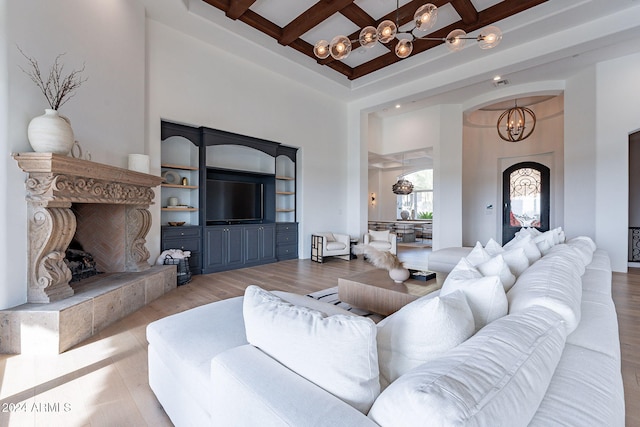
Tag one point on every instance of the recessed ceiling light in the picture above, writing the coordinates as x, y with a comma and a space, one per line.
397, 105
496, 78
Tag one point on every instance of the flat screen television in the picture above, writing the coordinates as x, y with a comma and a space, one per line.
234, 201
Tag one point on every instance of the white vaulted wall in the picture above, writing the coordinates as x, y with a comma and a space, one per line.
193, 82
107, 114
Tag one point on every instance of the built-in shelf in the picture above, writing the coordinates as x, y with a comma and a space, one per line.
179, 209
285, 192
285, 210
181, 167
285, 178
191, 187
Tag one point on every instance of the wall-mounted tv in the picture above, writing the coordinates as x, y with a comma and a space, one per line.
229, 201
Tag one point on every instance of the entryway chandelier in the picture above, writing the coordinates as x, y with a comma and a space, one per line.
403, 186
424, 18
516, 124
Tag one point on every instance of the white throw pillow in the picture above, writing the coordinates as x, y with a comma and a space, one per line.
485, 295
337, 353
478, 255
530, 248
497, 266
379, 235
493, 248
463, 270
516, 260
421, 331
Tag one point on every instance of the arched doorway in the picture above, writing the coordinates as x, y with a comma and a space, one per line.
525, 196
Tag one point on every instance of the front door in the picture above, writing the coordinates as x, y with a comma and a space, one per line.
525, 195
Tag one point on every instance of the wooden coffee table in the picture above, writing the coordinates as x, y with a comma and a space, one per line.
376, 292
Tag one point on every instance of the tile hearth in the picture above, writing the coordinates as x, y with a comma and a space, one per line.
52, 328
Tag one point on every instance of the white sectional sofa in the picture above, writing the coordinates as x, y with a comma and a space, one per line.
455, 357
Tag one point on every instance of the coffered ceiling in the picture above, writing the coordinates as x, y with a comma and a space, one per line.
300, 24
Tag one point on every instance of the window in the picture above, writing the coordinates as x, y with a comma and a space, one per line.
419, 203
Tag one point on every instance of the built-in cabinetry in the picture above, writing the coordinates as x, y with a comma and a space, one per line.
237, 245
198, 161
186, 238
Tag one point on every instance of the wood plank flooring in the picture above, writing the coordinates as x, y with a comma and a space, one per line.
103, 381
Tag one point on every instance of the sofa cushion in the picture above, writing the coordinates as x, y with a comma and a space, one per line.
335, 246
252, 389
517, 260
421, 331
583, 378
553, 282
496, 378
338, 353
188, 340
485, 295
585, 247
379, 235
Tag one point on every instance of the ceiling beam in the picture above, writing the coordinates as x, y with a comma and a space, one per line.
466, 10
238, 7
310, 18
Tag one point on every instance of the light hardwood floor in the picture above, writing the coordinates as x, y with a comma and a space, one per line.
103, 381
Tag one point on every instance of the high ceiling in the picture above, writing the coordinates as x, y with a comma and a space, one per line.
300, 24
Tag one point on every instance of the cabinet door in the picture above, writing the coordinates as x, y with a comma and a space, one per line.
252, 252
268, 244
234, 246
216, 244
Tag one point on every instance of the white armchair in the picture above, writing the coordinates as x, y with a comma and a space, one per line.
382, 240
326, 244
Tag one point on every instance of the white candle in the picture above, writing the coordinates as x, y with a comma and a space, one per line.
139, 163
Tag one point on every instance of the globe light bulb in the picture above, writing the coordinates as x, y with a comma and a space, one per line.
368, 37
404, 48
340, 47
455, 40
321, 49
489, 37
425, 17
386, 31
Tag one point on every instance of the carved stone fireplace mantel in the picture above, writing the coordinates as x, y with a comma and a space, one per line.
55, 182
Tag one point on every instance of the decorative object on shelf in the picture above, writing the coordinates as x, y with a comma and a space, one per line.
185, 180
385, 260
423, 19
77, 152
172, 201
516, 124
171, 177
139, 163
176, 223
51, 132
404, 215
403, 186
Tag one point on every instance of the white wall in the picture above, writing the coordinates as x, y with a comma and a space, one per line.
579, 154
486, 156
107, 114
618, 115
195, 83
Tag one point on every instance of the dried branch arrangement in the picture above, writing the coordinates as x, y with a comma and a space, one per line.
57, 88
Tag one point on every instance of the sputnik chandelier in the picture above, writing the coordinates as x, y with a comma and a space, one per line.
424, 18
516, 123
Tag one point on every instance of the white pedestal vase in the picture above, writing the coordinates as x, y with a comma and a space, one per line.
399, 275
50, 133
